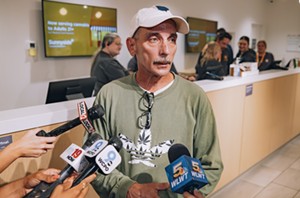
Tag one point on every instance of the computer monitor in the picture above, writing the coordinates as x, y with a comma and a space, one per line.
70, 89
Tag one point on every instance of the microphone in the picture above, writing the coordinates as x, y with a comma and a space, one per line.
105, 162
184, 172
45, 189
85, 117
212, 76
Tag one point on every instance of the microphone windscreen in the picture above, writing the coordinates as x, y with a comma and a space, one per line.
176, 151
116, 142
95, 112
91, 140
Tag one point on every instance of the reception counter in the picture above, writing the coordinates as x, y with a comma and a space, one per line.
255, 116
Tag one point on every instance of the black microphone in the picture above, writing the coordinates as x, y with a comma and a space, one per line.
105, 162
84, 118
184, 172
45, 189
212, 76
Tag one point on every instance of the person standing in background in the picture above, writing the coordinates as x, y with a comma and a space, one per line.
245, 54
105, 67
223, 39
264, 59
210, 62
153, 109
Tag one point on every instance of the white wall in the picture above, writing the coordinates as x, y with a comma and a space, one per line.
24, 79
283, 18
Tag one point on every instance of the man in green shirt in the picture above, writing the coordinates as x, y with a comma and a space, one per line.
152, 109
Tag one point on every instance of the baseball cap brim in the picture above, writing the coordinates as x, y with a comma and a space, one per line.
150, 17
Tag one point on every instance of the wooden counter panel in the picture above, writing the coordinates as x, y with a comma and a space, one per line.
257, 123
228, 108
283, 110
296, 120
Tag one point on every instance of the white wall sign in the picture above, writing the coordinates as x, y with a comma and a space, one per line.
293, 43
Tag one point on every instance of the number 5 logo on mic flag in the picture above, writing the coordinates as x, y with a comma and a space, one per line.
185, 173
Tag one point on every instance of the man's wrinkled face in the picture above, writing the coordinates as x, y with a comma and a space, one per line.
155, 48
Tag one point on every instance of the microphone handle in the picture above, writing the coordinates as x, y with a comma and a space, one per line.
85, 173
93, 113
61, 129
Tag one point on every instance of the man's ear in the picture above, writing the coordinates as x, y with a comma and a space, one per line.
130, 42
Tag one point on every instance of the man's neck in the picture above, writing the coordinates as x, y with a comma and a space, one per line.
154, 83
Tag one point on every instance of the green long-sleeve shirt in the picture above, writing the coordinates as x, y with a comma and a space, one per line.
180, 114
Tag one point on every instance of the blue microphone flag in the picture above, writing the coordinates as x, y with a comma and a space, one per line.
186, 174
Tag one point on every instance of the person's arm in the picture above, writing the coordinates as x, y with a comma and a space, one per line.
29, 145
21, 187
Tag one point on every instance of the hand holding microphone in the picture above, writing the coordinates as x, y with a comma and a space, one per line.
45, 189
66, 190
29, 145
185, 174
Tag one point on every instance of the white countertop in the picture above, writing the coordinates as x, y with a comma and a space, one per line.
229, 81
36, 116
41, 115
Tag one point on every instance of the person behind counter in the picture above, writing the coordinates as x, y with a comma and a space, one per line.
149, 121
105, 67
264, 59
210, 62
245, 54
223, 39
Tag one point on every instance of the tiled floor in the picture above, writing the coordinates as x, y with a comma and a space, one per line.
277, 176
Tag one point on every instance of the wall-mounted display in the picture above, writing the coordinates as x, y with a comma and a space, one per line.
201, 32
75, 30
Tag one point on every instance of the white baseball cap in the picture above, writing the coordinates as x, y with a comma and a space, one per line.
150, 17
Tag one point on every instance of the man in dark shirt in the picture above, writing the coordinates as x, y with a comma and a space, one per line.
105, 67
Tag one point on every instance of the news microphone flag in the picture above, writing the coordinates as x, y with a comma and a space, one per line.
105, 162
84, 118
184, 173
